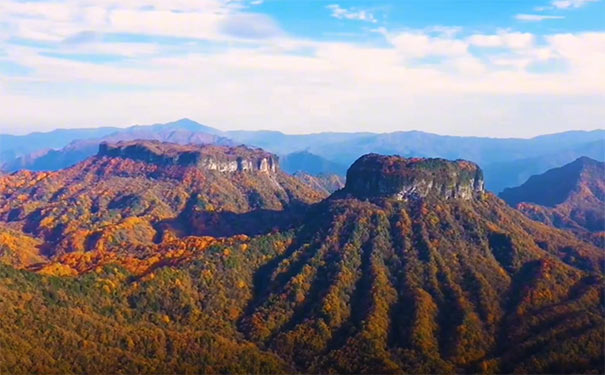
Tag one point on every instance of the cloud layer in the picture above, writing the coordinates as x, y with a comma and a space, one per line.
106, 62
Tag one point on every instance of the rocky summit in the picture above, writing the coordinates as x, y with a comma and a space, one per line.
379, 176
209, 157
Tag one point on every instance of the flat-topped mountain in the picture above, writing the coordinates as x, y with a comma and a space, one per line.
152, 188
438, 277
570, 197
375, 175
209, 157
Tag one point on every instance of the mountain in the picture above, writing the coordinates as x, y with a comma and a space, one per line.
569, 197
47, 158
515, 172
328, 183
136, 193
506, 162
13, 146
414, 268
307, 162
411, 267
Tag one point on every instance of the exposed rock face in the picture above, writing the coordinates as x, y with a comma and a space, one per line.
396, 177
209, 157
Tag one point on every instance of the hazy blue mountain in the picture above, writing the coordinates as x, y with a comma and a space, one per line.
183, 131
506, 161
569, 197
304, 161
511, 173
12, 146
344, 148
480, 150
282, 144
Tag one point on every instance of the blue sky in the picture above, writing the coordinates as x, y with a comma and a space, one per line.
489, 68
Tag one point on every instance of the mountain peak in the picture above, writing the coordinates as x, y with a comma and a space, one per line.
189, 125
584, 161
556, 185
209, 157
376, 176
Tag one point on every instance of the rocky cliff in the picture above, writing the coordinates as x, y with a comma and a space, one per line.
208, 157
374, 176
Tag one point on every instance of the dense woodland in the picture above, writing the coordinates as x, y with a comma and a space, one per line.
121, 266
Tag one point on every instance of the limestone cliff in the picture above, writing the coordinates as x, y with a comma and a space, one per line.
396, 177
209, 157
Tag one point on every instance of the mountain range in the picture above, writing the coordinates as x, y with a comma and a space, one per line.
154, 257
506, 162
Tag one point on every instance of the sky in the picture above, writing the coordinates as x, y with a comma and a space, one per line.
506, 68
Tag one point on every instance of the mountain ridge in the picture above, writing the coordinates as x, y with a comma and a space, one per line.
569, 197
506, 162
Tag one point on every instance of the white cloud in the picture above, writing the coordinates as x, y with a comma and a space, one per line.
418, 44
351, 14
536, 17
567, 4
512, 40
200, 19
237, 69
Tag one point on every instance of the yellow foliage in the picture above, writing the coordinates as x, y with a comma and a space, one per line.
58, 269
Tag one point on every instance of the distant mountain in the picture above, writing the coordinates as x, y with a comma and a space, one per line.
569, 197
506, 162
304, 161
181, 132
347, 147
514, 172
14, 146
282, 144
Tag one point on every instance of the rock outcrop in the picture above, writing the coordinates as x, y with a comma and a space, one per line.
208, 157
378, 176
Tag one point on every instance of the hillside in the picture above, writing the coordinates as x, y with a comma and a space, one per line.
136, 193
569, 197
323, 182
411, 267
